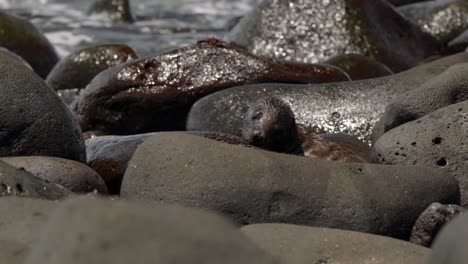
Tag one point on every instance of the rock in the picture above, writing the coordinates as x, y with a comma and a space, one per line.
256, 186
314, 31
72, 175
80, 67
23, 38
304, 245
431, 221
450, 245
12, 252
460, 42
437, 140
354, 144
359, 67
118, 11
21, 219
352, 108
15, 57
155, 94
404, 2
119, 232
35, 122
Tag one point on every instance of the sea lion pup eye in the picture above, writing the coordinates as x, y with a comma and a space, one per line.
270, 124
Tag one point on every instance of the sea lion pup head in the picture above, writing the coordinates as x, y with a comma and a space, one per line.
270, 124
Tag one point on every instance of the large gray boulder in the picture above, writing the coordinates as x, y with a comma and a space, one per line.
256, 186
437, 140
97, 231
305, 245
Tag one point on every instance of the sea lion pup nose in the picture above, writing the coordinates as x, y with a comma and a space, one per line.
270, 124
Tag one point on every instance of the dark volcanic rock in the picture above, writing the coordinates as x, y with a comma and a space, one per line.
431, 222
404, 2
437, 140
351, 108
35, 122
156, 94
450, 245
460, 42
448, 88
17, 182
79, 68
118, 232
256, 186
12, 252
313, 31
305, 245
24, 39
359, 67
72, 175
116, 10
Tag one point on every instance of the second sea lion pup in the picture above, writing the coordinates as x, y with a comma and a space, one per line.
270, 124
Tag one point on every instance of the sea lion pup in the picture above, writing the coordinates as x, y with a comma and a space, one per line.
270, 124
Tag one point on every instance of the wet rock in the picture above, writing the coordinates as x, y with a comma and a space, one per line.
431, 221
359, 67
15, 57
313, 31
23, 38
450, 245
140, 234
12, 252
117, 11
156, 94
256, 186
22, 219
18, 182
404, 2
72, 175
302, 245
446, 89
79, 68
437, 140
352, 108
35, 122
460, 42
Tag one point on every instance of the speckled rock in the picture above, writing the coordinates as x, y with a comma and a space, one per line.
117, 11
15, 57
118, 232
305, 245
35, 121
72, 175
351, 108
155, 94
21, 219
256, 186
436, 140
313, 31
448, 88
23, 38
359, 67
431, 221
450, 245
12, 252
80, 67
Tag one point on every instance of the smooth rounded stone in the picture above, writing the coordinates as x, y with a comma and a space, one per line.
437, 140
74, 176
18, 182
35, 121
12, 252
15, 57
304, 245
460, 42
450, 246
118, 11
359, 67
119, 232
257, 186
79, 68
448, 88
444, 19
23, 38
314, 31
352, 108
21, 219
431, 221
155, 94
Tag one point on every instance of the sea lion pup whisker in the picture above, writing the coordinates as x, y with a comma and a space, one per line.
270, 124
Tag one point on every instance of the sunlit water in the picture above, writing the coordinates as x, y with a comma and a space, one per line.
160, 24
